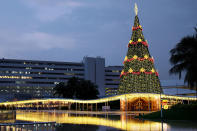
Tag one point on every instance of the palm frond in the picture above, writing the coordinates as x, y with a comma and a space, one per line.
184, 58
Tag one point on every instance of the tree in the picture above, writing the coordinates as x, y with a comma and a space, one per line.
77, 88
59, 90
139, 73
86, 90
184, 59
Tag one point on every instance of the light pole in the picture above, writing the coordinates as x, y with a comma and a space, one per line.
161, 109
161, 103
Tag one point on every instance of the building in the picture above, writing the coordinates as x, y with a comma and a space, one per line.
33, 78
112, 79
29, 78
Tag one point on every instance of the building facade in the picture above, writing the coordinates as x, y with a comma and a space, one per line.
33, 78
112, 79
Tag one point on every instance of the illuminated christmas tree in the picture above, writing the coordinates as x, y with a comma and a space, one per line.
139, 74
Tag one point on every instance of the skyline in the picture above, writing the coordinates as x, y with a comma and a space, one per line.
68, 30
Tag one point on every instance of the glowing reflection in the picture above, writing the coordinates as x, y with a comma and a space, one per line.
123, 123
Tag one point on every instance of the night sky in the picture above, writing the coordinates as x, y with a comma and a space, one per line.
68, 30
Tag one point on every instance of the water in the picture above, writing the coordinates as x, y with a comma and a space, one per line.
87, 121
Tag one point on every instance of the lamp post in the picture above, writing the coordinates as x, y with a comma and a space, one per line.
161, 103
161, 109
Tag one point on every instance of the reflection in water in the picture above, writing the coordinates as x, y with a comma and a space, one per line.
123, 122
7, 116
30, 127
68, 127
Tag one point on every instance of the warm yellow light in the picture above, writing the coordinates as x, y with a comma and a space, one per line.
101, 100
140, 26
130, 70
136, 9
126, 58
142, 70
122, 72
135, 57
165, 101
146, 56
15, 77
139, 40
165, 107
130, 41
153, 71
63, 117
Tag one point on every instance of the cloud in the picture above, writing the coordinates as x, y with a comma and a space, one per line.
47, 41
13, 43
50, 10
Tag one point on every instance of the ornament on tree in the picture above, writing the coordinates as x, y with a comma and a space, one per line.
146, 56
156, 73
130, 70
135, 57
138, 73
126, 58
139, 40
153, 71
136, 28
122, 72
142, 70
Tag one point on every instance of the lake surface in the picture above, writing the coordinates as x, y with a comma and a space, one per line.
87, 121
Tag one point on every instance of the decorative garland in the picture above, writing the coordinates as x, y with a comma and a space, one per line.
137, 42
136, 28
140, 59
142, 70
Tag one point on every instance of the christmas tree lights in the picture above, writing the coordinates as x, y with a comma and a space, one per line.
139, 74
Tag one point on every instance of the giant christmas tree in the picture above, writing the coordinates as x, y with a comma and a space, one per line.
139, 74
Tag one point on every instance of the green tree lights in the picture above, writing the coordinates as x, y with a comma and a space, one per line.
139, 74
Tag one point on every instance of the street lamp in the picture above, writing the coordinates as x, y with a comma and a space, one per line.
161, 109
161, 102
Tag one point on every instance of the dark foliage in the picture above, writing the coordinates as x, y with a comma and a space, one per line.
192, 106
76, 88
177, 112
184, 59
86, 90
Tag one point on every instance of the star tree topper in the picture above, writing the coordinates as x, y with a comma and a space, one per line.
136, 9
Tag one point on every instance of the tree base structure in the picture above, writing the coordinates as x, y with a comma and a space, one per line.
126, 102
140, 104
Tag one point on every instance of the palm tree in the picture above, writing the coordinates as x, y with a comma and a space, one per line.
184, 59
